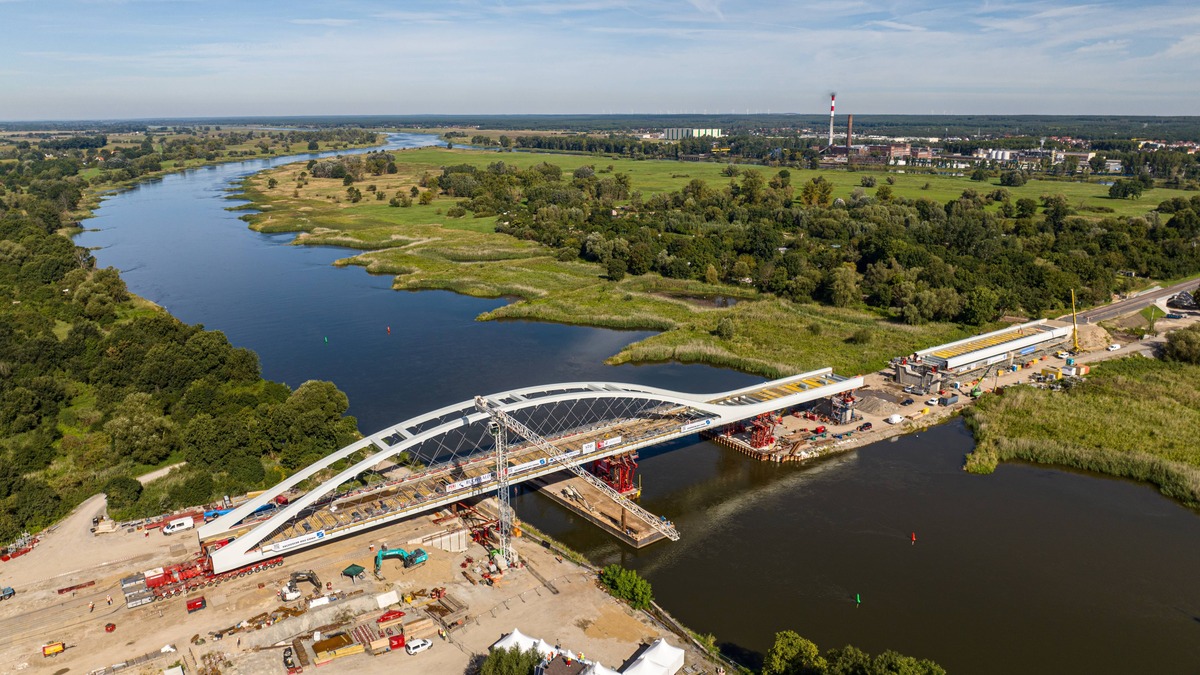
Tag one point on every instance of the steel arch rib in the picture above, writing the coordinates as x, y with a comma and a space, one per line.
463, 414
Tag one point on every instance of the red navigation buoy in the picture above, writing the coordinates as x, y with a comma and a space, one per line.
914, 541
389, 330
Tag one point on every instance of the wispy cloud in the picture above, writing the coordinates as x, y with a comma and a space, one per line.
146, 58
323, 22
897, 25
1105, 47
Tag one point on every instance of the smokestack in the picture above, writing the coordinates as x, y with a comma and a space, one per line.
832, 100
849, 132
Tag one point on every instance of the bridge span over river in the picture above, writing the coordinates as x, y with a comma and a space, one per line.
577, 423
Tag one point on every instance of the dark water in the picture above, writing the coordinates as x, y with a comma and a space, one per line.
1026, 571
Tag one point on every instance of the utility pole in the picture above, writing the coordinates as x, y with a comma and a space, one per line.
1074, 325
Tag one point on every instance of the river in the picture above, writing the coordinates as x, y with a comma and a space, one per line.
1030, 570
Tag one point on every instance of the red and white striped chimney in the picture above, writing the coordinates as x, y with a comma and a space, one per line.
832, 100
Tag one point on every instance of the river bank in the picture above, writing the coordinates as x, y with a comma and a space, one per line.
425, 249
1101, 426
95, 194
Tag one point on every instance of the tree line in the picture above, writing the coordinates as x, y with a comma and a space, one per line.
970, 259
95, 389
124, 162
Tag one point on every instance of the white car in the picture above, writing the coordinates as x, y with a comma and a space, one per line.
417, 646
1113, 347
932, 401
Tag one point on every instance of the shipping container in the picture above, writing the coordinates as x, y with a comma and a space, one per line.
948, 400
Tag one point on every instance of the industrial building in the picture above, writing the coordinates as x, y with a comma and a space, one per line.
974, 357
678, 133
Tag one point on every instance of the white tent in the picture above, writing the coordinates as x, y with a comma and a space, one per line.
659, 658
522, 642
596, 668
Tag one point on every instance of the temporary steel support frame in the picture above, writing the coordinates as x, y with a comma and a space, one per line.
503, 419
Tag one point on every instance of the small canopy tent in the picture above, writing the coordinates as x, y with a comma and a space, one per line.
354, 571
522, 642
659, 658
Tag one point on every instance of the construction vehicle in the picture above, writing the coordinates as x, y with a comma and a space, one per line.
166, 582
7, 592
414, 559
290, 591
53, 648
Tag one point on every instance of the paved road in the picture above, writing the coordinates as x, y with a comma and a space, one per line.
1134, 304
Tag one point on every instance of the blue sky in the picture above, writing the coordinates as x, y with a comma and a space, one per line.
96, 59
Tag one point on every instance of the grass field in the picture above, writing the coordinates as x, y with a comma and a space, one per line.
424, 249
654, 176
1134, 417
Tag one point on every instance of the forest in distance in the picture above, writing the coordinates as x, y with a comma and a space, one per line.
1094, 127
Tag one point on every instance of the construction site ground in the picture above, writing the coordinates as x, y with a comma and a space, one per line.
577, 614
880, 397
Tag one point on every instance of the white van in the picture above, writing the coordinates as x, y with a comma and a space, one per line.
178, 525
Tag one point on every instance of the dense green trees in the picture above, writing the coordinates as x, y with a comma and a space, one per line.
970, 259
793, 655
57, 162
1183, 345
510, 662
88, 398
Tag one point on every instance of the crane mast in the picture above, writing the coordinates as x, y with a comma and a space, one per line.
503, 422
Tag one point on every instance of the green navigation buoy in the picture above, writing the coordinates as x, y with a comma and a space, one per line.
326, 340
857, 599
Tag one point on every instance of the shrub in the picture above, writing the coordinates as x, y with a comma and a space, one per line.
122, 492
724, 328
616, 269
627, 585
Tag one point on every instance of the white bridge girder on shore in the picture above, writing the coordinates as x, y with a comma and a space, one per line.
664, 415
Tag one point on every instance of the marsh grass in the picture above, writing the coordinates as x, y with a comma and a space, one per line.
1133, 417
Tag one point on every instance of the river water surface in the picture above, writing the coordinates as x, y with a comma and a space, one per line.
1029, 570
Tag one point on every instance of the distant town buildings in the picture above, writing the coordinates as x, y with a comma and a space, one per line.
679, 133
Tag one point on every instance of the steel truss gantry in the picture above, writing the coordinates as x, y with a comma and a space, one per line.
506, 421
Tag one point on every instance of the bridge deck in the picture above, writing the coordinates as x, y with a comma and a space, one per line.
774, 390
411, 492
453, 439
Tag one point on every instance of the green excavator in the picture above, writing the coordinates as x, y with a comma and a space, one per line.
410, 560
